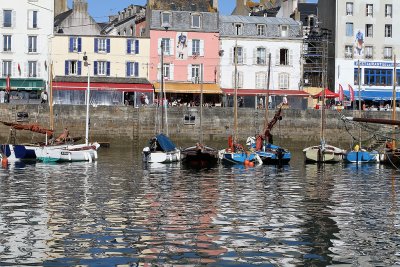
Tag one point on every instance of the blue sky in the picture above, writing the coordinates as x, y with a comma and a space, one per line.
101, 9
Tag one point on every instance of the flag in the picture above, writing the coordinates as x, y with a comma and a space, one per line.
341, 96
45, 65
351, 91
8, 84
19, 69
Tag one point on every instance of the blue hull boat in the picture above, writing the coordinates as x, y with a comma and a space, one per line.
362, 156
240, 157
272, 154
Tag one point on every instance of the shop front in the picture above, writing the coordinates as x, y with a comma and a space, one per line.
104, 91
188, 94
23, 91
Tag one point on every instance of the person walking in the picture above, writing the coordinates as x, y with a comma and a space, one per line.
43, 97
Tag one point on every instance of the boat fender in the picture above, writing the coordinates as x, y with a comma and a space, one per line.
4, 161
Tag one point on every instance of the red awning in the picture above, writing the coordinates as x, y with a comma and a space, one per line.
248, 92
328, 94
124, 87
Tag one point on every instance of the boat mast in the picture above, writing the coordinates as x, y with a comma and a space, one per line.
201, 103
87, 104
235, 102
162, 86
359, 101
323, 94
394, 102
51, 98
267, 96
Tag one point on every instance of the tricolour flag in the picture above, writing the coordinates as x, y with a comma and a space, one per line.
341, 94
351, 91
8, 84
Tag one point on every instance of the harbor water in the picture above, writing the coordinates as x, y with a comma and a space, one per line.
119, 212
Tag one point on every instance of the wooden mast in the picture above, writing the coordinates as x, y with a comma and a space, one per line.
394, 102
267, 96
359, 101
235, 102
201, 103
51, 98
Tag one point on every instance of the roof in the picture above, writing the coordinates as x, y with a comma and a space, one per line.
255, 20
61, 17
82, 79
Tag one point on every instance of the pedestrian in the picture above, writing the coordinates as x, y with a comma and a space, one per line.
2, 96
43, 97
146, 100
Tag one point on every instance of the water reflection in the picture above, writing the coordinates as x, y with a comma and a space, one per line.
121, 213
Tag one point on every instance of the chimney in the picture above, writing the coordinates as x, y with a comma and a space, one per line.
150, 3
215, 4
60, 6
80, 6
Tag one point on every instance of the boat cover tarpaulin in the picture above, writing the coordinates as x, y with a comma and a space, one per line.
29, 127
165, 143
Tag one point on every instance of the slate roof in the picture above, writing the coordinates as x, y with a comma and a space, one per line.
255, 19
61, 17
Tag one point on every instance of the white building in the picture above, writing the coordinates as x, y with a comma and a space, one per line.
25, 28
256, 38
365, 35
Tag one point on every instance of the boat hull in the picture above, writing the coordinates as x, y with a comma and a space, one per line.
69, 153
199, 157
362, 156
233, 158
161, 156
326, 154
274, 158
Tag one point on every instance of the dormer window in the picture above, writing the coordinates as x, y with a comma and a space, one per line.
166, 19
196, 20
238, 29
261, 30
284, 31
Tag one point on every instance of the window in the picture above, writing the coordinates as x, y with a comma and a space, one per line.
32, 19
349, 29
32, 69
238, 80
349, 8
284, 31
75, 44
102, 45
261, 80
32, 44
7, 18
132, 46
348, 51
260, 30
7, 43
166, 19
388, 11
165, 45
238, 29
261, 56
387, 52
238, 52
284, 56
132, 69
6, 67
369, 52
388, 30
73, 67
195, 47
196, 75
283, 81
102, 68
356, 76
369, 30
370, 10
378, 77
196, 21
167, 71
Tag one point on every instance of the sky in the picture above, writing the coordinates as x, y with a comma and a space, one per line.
101, 9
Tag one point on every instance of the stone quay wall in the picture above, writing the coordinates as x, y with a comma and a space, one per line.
121, 125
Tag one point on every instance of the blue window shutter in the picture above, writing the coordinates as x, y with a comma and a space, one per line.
79, 44
128, 46
108, 68
96, 45
79, 67
95, 68
71, 44
136, 69
108, 45
66, 67
128, 69
136, 46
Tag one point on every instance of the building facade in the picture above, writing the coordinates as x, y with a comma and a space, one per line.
24, 31
365, 45
251, 42
118, 69
188, 44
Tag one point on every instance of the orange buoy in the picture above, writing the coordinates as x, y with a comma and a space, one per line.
4, 162
246, 162
251, 164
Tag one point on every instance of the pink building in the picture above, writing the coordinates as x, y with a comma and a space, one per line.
190, 41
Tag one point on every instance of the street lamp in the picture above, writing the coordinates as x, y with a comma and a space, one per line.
86, 63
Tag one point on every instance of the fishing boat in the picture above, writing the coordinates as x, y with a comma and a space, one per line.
161, 149
200, 155
359, 154
235, 153
323, 153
